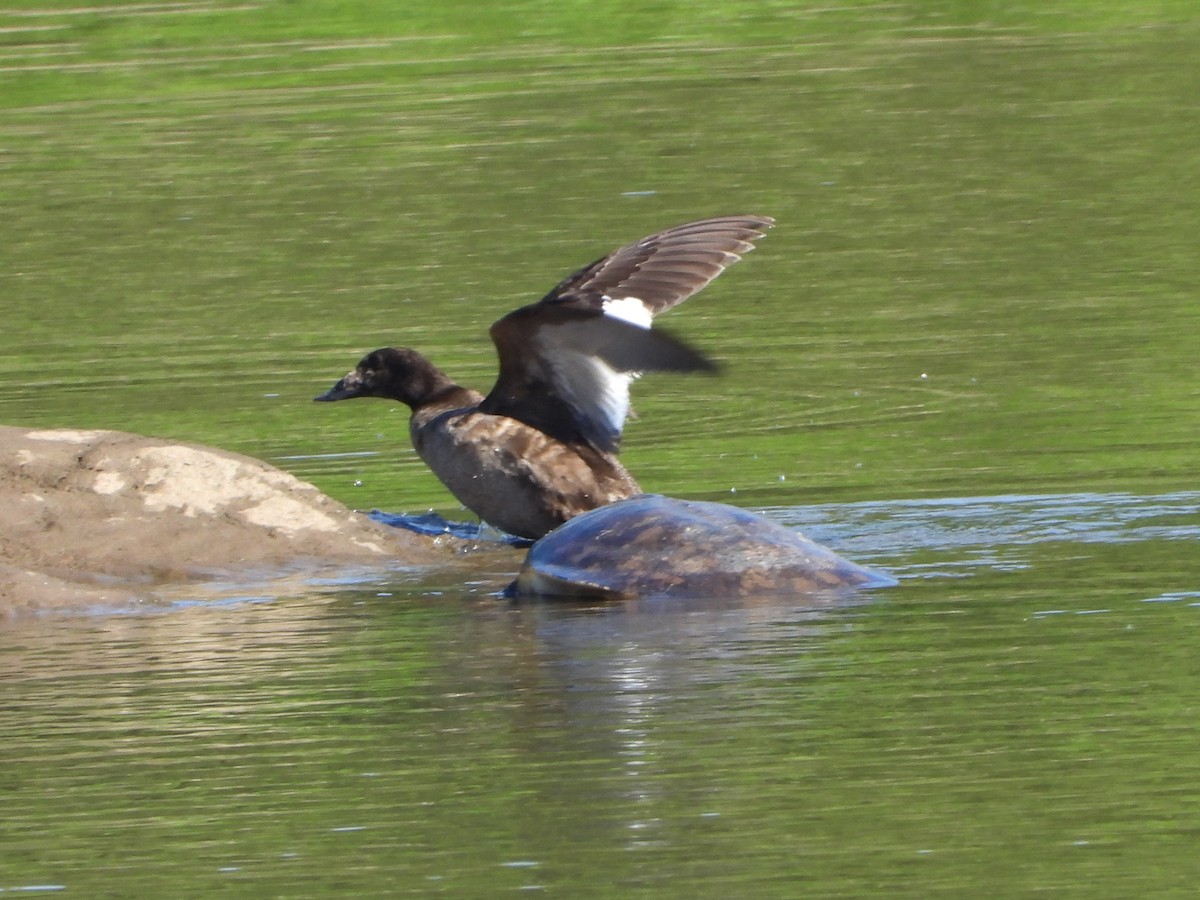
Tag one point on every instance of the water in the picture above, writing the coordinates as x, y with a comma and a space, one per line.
966, 355
1018, 706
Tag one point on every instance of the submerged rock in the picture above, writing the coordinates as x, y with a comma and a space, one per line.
655, 546
91, 518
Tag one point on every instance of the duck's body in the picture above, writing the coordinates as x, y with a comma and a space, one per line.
514, 476
541, 447
511, 475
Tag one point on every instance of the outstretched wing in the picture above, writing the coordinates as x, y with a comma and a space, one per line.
566, 362
661, 270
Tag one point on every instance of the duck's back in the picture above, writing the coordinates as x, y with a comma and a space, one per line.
513, 476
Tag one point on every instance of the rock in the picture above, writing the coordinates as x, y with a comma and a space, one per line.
91, 518
654, 546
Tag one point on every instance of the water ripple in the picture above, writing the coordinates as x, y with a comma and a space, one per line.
987, 531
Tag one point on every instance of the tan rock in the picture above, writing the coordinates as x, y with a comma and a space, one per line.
92, 518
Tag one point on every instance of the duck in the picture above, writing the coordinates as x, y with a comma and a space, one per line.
542, 446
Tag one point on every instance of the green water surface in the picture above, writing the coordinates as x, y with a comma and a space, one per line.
982, 284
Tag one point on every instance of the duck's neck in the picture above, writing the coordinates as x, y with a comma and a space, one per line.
445, 395
420, 384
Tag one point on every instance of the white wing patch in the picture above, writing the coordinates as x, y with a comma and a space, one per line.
591, 361
597, 391
628, 309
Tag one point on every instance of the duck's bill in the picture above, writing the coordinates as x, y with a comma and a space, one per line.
340, 391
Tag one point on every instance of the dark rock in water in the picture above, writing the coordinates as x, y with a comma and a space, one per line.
655, 546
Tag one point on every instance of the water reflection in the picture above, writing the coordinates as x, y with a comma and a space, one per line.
617, 697
623, 672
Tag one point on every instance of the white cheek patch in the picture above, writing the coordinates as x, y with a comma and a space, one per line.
628, 309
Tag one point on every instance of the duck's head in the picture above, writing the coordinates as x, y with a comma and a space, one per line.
395, 373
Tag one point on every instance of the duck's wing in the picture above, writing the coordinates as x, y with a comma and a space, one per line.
662, 269
566, 362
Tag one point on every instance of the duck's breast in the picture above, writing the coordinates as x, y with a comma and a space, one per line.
512, 475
